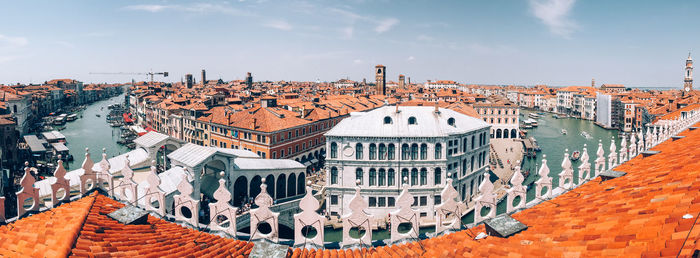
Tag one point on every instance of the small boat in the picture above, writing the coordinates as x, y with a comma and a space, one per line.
97, 115
533, 115
563, 131
555, 116
72, 117
540, 113
575, 156
586, 135
59, 120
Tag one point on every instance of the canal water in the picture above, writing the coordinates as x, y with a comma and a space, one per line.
553, 144
91, 131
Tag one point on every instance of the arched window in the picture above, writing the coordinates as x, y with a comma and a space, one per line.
423, 151
392, 151
334, 150
464, 167
473, 142
423, 176
472, 164
412, 120
414, 176
382, 151
438, 176
391, 178
358, 176
414, 151
438, 151
372, 151
358, 151
451, 121
372, 177
404, 176
464, 144
334, 175
405, 152
387, 120
382, 177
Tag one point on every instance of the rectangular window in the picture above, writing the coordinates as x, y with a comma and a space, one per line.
382, 201
437, 199
423, 214
334, 199
423, 200
391, 202
415, 201
372, 201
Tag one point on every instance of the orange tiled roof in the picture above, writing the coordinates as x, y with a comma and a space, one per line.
102, 235
48, 234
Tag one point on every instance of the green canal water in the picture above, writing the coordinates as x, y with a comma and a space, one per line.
553, 144
90, 131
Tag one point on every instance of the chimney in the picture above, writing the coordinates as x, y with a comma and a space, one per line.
437, 110
397, 107
255, 122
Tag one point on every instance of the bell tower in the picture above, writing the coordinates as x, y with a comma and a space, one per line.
688, 81
380, 75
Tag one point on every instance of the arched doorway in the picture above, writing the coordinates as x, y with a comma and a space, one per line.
162, 161
211, 173
498, 133
513, 134
292, 185
281, 186
240, 191
255, 186
300, 184
270, 181
505, 133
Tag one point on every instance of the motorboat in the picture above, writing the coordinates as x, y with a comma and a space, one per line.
533, 115
72, 117
97, 115
575, 156
586, 135
555, 116
563, 131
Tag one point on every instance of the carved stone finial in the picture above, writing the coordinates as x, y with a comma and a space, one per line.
222, 208
545, 181
184, 201
404, 214
308, 217
357, 218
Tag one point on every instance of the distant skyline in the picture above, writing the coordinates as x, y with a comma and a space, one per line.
553, 42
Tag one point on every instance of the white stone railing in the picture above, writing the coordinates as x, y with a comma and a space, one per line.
448, 213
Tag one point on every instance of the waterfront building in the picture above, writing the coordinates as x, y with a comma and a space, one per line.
502, 115
441, 84
382, 147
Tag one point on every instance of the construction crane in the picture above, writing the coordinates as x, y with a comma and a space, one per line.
165, 74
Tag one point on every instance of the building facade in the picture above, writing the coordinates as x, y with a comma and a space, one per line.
386, 147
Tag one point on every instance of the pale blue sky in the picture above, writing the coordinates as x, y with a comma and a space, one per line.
555, 42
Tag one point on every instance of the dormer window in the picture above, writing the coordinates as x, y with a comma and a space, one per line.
451, 121
412, 120
387, 120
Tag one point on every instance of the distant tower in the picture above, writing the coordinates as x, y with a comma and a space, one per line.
593, 82
249, 80
688, 81
380, 75
204, 77
189, 80
402, 81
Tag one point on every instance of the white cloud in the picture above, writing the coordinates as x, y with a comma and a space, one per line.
410, 58
154, 8
348, 32
200, 8
279, 24
65, 44
7, 41
425, 38
357, 61
386, 24
555, 14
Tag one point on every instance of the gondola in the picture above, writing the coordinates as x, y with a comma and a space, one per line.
575, 156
